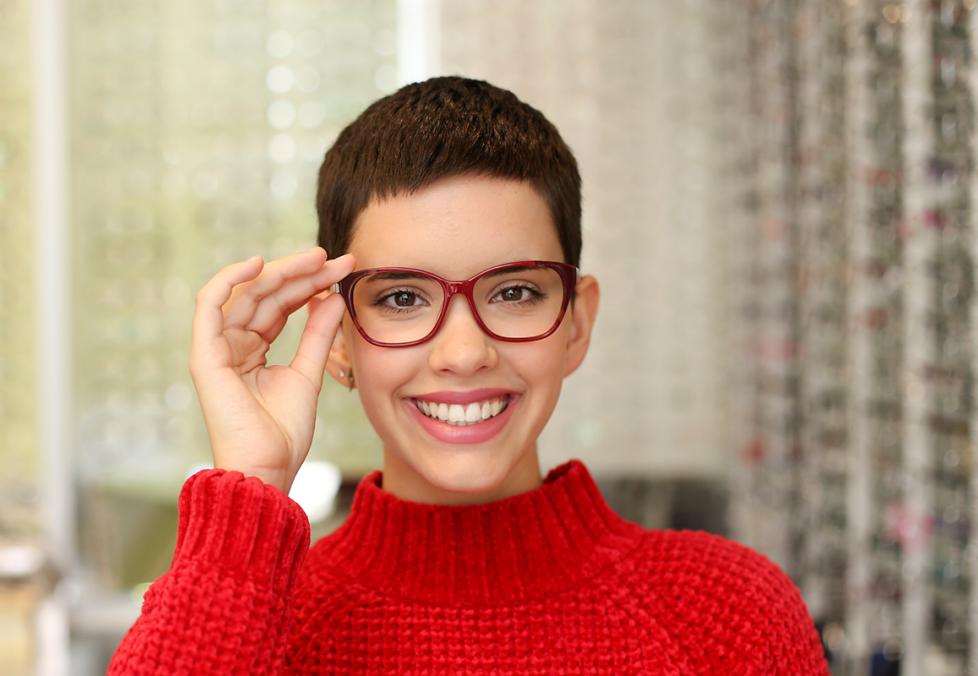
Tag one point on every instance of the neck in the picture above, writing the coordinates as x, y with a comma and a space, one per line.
461, 486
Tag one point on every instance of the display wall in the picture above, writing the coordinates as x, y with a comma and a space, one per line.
857, 471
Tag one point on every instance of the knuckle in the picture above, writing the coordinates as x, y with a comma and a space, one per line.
252, 294
282, 305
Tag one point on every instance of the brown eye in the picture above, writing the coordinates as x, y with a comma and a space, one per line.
398, 301
405, 296
513, 293
517, 294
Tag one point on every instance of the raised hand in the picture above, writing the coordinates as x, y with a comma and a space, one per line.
260, 418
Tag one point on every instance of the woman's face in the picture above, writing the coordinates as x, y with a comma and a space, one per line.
455, 228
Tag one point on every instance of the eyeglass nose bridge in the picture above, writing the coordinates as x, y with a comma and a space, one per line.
466, 289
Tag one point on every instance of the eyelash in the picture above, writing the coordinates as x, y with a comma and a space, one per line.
381, 302
535, 297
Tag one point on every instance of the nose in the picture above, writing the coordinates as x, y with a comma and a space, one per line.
461, 346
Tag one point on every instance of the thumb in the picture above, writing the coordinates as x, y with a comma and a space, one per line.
317, 337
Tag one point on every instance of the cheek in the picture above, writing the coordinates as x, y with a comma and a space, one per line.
380, 374
380, 369
383, 376
538, 364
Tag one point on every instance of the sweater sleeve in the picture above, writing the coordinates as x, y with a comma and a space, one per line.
774, 606
222, 607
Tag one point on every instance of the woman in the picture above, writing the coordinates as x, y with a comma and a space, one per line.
456, 310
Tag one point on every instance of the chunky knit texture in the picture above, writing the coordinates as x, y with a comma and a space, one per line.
551, 581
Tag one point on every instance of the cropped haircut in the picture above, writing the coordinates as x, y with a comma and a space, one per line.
442, 127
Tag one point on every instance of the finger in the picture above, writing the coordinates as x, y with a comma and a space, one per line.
279, 305
208, 320
317, 338
244, 301
272, 317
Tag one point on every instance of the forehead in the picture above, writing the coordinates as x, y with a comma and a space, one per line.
456, 227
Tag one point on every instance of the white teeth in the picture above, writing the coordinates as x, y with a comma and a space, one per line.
456, 414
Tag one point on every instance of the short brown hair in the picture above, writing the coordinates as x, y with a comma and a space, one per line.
442, 127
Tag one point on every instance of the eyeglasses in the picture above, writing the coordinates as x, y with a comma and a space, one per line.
400, 307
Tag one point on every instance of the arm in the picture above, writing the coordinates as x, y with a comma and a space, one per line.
792, 645
770, 623
222, 607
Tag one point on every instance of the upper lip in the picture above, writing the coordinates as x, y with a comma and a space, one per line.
448, 397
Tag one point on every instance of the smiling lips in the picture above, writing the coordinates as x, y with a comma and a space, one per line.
458, 414
463, 417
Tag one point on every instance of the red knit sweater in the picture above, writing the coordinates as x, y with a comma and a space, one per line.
551, 581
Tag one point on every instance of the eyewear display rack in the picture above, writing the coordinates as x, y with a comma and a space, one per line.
857, 472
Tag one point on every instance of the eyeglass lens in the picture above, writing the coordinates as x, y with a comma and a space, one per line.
399, 307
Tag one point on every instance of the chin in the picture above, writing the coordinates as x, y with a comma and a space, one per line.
459, 473
469, 474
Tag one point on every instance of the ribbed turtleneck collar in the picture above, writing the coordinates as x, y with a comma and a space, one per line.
520, 547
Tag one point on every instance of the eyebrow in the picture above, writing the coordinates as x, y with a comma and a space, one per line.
380, 276
515, 268
377, 276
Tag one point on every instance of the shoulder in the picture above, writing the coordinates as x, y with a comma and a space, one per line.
731, 602
711, 558
710, 569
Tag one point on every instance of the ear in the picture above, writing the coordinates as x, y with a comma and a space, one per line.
339, 356
583, 314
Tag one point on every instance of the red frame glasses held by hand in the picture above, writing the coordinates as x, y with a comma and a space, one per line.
569, 275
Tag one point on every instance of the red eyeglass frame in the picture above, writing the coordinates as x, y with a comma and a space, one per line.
569, 274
